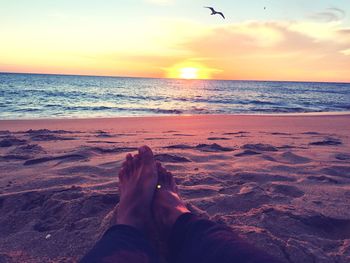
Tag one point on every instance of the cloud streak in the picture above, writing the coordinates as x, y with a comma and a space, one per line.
330, 15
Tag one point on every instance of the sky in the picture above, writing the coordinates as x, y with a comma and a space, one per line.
299, 40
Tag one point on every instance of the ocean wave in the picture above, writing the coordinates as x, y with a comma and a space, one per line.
105, 108
41, 95
27, 110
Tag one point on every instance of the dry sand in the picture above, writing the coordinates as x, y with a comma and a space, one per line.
281, 182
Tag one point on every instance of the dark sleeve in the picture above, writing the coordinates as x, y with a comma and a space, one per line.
121, 244
199, 240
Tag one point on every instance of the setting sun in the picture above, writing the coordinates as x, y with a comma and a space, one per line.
189, 73
190, 70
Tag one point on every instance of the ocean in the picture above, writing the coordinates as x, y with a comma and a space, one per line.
29, 96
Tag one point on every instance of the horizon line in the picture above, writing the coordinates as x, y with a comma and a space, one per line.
141, 77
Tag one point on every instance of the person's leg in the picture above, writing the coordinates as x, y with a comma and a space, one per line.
192, 239
126, 241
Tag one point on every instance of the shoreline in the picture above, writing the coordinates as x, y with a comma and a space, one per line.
287, 114
339, 123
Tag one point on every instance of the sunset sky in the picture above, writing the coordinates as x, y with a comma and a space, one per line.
289, 40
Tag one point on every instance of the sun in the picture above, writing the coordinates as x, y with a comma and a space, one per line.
189, 73
189, 70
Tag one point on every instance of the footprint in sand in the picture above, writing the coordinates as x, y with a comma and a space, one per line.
47, 135
179, 146
56, 213
311, 133
287, 158
342, 156
23, 152
28, 149
280, 221
50, 137
247, 153
327, 142
202, 147
46, 131
87, 151
328, 227
291, 158
62, 158
261, 177
260, 147
248, 198
213, 148
287, 190
11, 141
235, 133
198, 191
83, 169
280, 133
15, 157
51, 215
103, 134
183, 135
340, 171
322, 178
170, 158
218, 139
207, 180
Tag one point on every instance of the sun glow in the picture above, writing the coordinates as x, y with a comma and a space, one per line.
189, 73
189, 70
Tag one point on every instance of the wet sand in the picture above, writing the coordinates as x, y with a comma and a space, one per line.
281, 182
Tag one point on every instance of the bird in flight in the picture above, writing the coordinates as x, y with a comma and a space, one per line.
213, 12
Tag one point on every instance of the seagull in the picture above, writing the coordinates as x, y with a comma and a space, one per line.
213, 12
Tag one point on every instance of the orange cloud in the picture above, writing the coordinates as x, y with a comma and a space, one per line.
275, 51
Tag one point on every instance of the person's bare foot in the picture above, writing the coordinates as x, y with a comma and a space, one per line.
167, 204
137, 183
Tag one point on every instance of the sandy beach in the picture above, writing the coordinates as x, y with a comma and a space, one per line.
281, 182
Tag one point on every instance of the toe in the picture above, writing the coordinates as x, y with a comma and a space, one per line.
168, 176
121, 174
146, 154
129, 157
129, 164
160, 168
161, 178
170, 180
136, 160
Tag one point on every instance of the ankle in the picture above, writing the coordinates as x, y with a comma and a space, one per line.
132, 216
